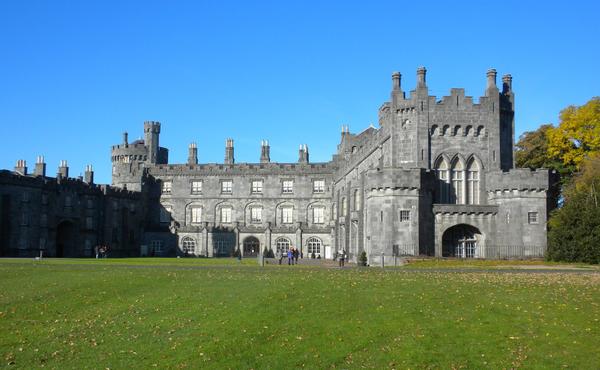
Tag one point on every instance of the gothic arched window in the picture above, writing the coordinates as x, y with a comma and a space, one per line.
457, 181
473, 182
441, 170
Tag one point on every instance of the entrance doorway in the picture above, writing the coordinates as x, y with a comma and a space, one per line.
65, 239
461, 241
251, 247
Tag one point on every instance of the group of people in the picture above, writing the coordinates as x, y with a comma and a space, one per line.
101, 251
292, 255
341, 257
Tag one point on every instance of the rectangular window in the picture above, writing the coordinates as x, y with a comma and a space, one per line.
257, 186
90, 203
196, 187
165, 215
196, 215
156, 246
287, 215
532, 217
318, 215
287, 186
89, 223
226, 215
68, 201
25, 197
404, 215
226, 187
166, 187
256, 215
319, 186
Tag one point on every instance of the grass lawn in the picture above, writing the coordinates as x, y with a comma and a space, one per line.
170, 313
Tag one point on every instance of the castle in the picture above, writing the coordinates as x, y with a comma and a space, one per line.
436, 178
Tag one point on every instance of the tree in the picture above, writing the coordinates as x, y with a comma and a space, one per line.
531, 151
574, 229
577, 136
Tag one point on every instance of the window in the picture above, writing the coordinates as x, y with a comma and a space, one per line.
89, 223
226, 186
443, 181
196, 215
287, 215
226, 215
24, 218
68, 201
473, 182
166, 187
196, 187
318, 215
90, 203
344, 207
319, 186
457, 182
25, 197
282, 245
256, 215
257, 186
43, 220
287, 186
404, 215
313, 246
188, 245
532, 217
44, 198
156, 246
165, 214
356, 200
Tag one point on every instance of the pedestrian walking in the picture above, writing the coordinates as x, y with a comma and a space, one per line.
296, 255
279, 255
290, 257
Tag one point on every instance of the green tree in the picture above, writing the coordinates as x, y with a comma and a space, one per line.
531, 151
577, 136
574, 229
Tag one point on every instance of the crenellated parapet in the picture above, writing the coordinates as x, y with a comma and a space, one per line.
521, 179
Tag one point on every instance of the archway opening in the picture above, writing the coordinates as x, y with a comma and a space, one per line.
251, 247
65, 239
462, 241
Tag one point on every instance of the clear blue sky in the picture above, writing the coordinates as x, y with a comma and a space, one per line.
75, 74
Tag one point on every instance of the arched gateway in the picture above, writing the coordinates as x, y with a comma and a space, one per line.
251, 247
462, 241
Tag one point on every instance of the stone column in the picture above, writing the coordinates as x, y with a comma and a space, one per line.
236, 231
299, 239
268, 236
209, 244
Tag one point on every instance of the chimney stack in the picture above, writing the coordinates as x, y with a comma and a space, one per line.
21, 167
265, 152
396, 80
303, 154
229, 159
63, 170
421, 80
40, 166
506, 84
491, 82
192, 154
125, 139
88, 176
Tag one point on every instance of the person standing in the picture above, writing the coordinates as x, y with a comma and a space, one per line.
342, 257
290, 256
296, 254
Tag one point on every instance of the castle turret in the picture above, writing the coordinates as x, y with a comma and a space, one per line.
151, 136
40, 166
303, 154
21, 167
265, 152
63, 170
88, 176
396, 80
192, 154
229, 159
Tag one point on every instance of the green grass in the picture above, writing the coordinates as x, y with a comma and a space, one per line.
170, 313
491, 264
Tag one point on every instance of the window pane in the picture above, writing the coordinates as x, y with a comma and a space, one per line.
196, 215
196, 187
288, 186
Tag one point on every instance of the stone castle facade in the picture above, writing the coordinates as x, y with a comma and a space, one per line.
436, 178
